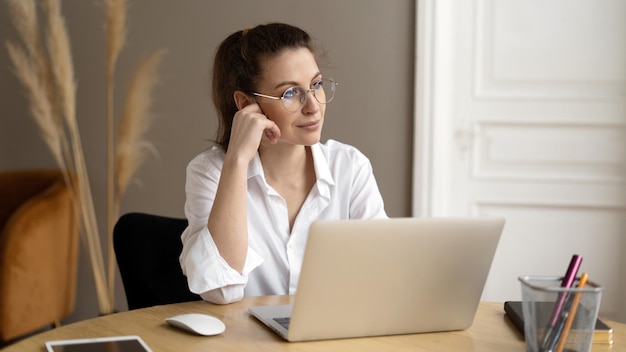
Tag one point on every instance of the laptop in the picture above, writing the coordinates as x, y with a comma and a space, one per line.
386, 277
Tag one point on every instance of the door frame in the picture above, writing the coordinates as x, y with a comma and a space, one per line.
429, 113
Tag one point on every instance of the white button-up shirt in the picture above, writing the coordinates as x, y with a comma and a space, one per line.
345, 189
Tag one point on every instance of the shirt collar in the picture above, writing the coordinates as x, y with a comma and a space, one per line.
320, 162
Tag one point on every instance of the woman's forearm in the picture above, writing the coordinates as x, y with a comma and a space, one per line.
228, 220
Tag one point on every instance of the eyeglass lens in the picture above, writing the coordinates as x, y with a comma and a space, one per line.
323, 90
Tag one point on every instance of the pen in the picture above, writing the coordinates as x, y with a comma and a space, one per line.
570, 319
557, 331
568, 281
552, 330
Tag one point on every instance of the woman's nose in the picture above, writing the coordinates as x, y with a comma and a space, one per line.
311, 105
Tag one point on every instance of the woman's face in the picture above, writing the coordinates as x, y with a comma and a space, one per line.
292, 67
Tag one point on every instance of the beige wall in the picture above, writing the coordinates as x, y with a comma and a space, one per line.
370, 44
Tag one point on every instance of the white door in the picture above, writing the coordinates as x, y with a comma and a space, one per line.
521, 108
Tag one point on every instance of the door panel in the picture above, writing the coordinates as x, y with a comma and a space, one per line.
521, 109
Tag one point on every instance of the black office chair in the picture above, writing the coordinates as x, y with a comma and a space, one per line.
147, 248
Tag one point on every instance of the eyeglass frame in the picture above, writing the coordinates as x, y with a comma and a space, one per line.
333, 83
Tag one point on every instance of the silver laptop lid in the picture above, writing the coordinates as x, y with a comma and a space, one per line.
392, 276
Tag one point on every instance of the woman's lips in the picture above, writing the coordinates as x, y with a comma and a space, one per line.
313, 125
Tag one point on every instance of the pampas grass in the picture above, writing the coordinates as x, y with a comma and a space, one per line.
62, 68
31, 67
131, 143
39, 103
48, 80
135, 121
116, 32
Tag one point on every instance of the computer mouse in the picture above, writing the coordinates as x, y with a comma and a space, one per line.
201, 324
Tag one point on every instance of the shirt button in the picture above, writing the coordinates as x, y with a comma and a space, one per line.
290, 245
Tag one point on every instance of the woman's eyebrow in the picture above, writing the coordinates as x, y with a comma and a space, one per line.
294, 83
286, 83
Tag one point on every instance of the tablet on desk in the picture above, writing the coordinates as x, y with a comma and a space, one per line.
99, 344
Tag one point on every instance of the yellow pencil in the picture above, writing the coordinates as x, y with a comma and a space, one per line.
570, 318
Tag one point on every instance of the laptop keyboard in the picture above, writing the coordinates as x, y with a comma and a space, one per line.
284, 322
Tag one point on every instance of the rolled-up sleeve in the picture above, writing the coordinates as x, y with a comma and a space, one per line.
208, 274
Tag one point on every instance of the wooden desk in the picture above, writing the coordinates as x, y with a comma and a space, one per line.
491, 331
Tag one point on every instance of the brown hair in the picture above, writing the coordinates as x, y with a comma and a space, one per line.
237, 66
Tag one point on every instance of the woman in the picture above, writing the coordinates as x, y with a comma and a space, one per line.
251, 198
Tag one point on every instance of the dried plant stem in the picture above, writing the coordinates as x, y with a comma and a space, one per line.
63, 73
134, 122
116, 37
111, 218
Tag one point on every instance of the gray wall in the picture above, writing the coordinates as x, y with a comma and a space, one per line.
371, 49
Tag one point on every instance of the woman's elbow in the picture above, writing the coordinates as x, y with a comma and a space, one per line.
221, 296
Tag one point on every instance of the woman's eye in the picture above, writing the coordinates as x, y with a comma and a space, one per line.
317, 85
290, 93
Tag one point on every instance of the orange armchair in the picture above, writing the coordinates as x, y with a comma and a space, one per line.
38, 251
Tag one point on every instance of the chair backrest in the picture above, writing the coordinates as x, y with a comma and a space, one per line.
39, 240
147, 248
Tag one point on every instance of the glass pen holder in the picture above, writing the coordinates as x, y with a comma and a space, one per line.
557, 318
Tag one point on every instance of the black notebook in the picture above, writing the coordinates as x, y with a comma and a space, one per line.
513, 309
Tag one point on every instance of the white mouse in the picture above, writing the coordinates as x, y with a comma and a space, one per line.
201, 324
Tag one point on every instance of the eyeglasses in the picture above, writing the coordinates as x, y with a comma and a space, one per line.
294, 98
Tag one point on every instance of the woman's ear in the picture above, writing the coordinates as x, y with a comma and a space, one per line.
242, 99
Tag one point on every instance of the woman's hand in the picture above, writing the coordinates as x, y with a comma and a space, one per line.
249, 127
